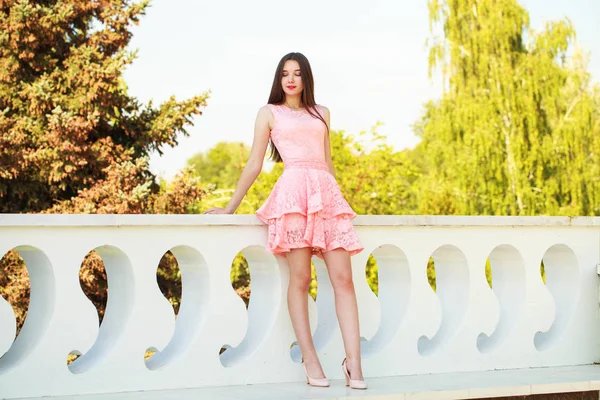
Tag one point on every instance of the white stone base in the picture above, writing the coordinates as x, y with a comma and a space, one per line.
466, 385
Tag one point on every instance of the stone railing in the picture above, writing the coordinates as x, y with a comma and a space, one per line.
464, 325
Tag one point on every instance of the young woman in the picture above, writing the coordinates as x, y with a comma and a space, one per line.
306, 212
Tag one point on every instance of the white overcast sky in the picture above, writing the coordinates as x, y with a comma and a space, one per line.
369, 59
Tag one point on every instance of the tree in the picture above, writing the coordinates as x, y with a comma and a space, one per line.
68, 125
219, 169
516, 130
222, 165
374, 178
72, 140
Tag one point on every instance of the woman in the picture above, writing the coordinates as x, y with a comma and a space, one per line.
306, 212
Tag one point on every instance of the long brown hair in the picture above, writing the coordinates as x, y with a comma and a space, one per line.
307, 100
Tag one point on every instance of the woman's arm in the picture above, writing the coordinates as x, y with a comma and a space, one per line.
262, 130
328, 159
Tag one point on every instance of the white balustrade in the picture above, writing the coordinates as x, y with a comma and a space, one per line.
408, 329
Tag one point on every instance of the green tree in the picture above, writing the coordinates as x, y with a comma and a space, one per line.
516, 131
68, 125
222, 165
374, 178
219, 169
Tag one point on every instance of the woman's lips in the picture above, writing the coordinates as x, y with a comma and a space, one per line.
291, 87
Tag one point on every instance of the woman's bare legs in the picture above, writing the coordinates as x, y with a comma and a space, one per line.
340, 274
299, 262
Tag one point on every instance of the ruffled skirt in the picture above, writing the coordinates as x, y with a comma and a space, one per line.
307, 209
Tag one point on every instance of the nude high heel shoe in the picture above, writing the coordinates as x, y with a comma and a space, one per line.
318, 382
353, 383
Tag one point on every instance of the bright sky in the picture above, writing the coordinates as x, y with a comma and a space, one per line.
369, 61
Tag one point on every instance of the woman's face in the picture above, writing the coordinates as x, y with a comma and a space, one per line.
292, 78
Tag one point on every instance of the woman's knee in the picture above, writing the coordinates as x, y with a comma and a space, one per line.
342, 281
300, 279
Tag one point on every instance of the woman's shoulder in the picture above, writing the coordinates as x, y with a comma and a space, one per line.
270, 108
324, 110
267, 109
266, 113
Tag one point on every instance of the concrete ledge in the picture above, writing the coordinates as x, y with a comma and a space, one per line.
57, 220
469, 385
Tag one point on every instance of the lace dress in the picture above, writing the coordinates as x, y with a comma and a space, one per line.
306, 207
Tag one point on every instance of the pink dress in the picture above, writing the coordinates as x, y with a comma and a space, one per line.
306, 207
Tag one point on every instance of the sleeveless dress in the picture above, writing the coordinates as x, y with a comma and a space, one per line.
306, 207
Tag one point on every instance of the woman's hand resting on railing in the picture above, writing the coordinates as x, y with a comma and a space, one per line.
218, 210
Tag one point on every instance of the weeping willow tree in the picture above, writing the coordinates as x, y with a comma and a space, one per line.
516, 131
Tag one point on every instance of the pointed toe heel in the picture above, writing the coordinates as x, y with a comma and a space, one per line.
353, 383
317, 382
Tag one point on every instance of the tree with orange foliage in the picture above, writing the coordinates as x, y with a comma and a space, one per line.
69, 129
